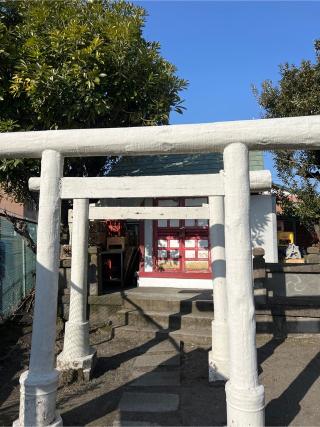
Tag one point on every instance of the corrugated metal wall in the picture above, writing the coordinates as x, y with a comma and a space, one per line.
17, 266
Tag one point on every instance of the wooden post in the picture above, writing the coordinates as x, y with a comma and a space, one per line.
245, 397
38, 385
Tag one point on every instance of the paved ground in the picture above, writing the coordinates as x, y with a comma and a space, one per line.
289, 370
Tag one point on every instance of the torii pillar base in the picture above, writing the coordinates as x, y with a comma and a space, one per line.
84, 364
38, 400
245, 407
77, 355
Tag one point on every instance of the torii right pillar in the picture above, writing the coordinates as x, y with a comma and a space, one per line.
245, 397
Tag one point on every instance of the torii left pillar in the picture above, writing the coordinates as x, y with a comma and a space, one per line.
38, 385
77, 353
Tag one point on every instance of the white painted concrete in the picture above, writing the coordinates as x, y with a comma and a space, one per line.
245, 397
148, 241
167, 282
266, 134
132, 202
263, 223
77, 353
153, 212
38, 386
219, 356
152, 186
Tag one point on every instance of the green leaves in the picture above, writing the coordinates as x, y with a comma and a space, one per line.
296, 94
65, 49
81, 64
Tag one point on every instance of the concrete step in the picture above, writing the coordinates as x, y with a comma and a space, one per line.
151, 304
201, 337
196, 328
149, 408
157, 379
167, 305
136, 333
166, 346
287, 324
159, 303
151, 362
151, 320
165, 320
197, 321
194, 322
149, 402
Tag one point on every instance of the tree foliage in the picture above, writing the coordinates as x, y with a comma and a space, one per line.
297, 94
78, 64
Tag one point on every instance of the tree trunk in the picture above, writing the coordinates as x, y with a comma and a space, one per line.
317, 231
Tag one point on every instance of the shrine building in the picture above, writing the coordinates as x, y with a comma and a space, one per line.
173, 252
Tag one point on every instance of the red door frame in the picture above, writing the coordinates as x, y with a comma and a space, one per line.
196, 232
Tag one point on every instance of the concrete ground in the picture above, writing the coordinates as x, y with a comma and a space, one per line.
288, 369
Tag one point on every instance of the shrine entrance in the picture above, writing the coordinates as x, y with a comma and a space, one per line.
181, 247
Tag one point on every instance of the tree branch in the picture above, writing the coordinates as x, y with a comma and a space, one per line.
21, 227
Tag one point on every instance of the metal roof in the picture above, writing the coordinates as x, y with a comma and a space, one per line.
176, 164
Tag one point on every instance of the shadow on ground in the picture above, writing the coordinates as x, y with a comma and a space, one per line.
289, 369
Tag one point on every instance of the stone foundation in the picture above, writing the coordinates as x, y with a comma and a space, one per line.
83, 365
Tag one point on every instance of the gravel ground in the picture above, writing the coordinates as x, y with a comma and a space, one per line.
288, 369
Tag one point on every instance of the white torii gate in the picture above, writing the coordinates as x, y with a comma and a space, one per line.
77, 353
245, 397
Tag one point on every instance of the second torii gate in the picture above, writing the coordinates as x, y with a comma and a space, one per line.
76, 352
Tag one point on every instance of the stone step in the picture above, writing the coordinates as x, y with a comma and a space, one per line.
172, 321
201, 338
196, 321
166, 346
148, 419
156, 379
197, 329
154, 361
173, 306
165, 320
150, 320
203, 319
151, 303
112, 298
149, 402
152, 396
287, 325
190, 310
161, 303
143, 333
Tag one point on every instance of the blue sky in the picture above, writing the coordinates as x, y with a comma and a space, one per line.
223, 48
